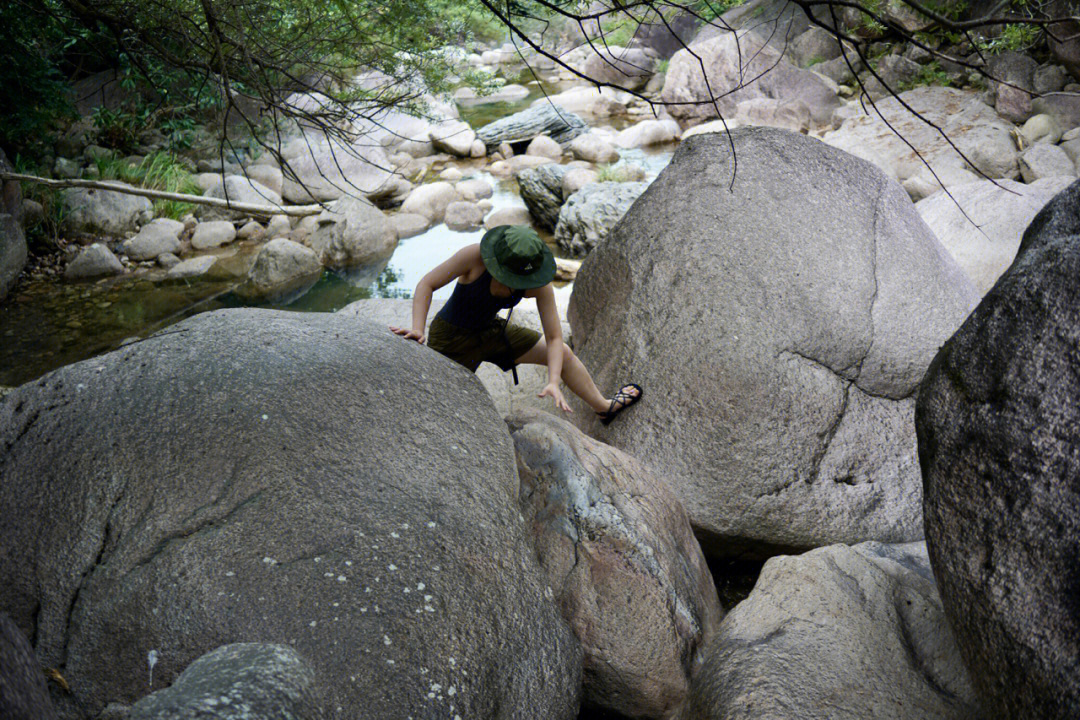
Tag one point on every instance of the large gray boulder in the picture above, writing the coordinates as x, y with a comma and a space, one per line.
541, 190
959, 119
998, 435
546, 118
12, 239
590, 214
102, 212
238, 682
845, 633
782, 328
739, 67
238, 189
351, 233
318, 168
282, 270
265, 476
628, 68
506, 396
981, 223
618, 551
23, 695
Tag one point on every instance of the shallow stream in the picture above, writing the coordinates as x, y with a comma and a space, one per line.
46, 324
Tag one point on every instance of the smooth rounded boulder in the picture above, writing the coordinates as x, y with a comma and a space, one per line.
622, 560
845, 633
998, 419
780, 329
353, 232
291, 478
981, 223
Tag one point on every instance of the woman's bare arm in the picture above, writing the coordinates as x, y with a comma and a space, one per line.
457, 265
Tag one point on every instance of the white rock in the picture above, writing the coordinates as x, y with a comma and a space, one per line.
281, 269
156, 237
1044, 160
648, 132
463, 216
212, 234
985, 241
475, 189
455, 137
407, 225
191, 268
278, 226
93, 261
508, 216
593, 148
543, 146
431, 200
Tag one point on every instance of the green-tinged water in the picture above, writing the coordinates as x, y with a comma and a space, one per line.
45, 324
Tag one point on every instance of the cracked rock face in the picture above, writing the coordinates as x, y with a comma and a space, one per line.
299, 479
845, 633
998, 436
779, 327
618, 551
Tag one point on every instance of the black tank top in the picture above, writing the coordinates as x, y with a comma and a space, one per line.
473, 307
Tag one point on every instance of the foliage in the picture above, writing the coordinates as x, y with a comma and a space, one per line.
160, 171
709, 10
33, 91
613, 173
46, 232
1014, 37
930, 74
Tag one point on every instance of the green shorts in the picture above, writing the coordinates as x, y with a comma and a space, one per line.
472, 347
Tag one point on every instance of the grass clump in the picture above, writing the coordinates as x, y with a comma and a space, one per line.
159, 171
613, 173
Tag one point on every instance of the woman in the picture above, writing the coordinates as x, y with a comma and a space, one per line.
510, 263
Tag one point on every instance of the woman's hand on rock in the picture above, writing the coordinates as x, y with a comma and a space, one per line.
552, 391
408, 334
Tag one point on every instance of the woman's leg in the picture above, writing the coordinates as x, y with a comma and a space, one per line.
574, 374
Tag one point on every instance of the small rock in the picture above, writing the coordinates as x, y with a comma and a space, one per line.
167, 260
543, 146
156, 237
1041, 129
191, 268
212, 234
431, 200
93, 261
251, 231
278, 227
508, 216
478, 149
66, 169
648, 132
455, 137
576, 179
462, 216
407, 225
451, 174
475, 189
593, 148
1043, 161
506, 150
282, 269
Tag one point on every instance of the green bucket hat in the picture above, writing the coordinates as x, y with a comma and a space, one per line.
517, 257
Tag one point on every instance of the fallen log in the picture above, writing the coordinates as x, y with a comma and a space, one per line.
253, 208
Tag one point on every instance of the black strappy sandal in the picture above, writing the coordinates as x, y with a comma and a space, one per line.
623, 400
